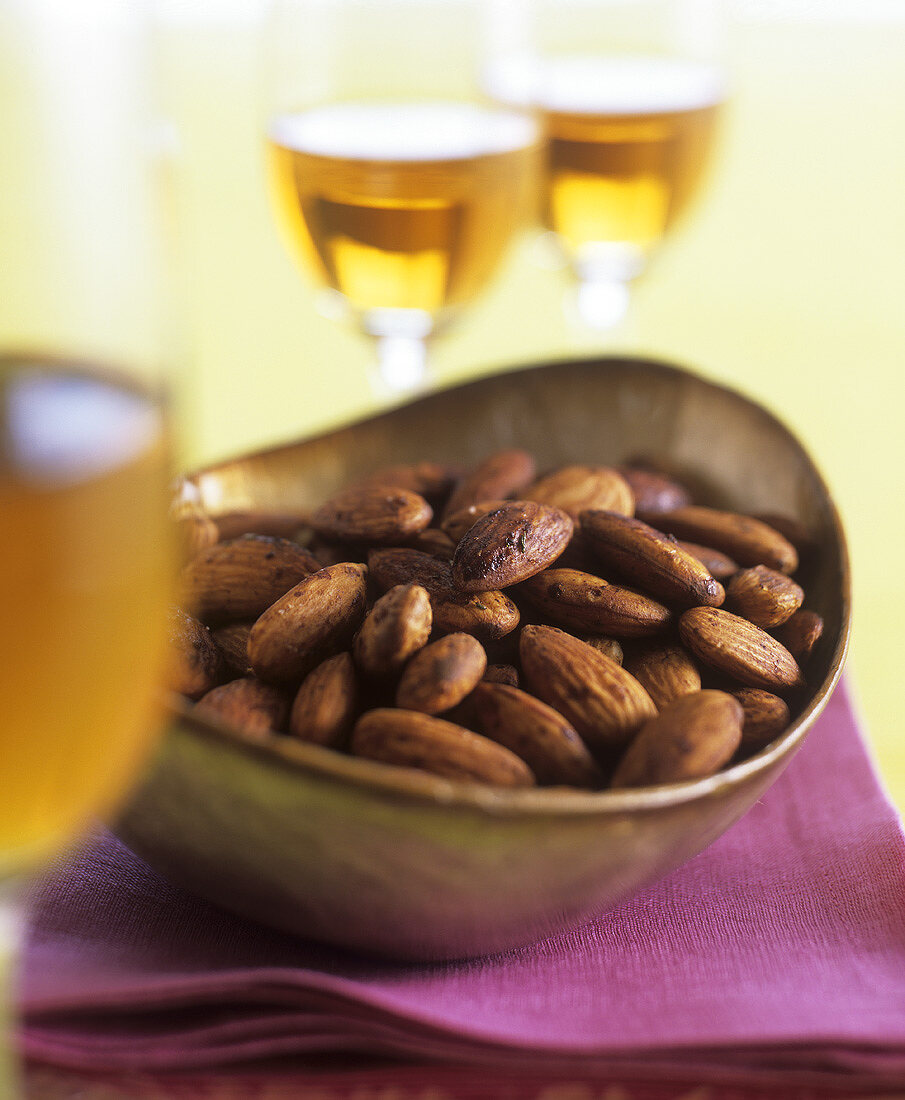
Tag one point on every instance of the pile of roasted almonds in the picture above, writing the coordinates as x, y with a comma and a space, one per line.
589, 628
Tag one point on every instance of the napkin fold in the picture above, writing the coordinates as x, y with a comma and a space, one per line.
777, 953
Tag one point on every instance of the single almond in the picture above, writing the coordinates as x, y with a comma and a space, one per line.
442, 674
748, 540
395, 628
719, 565
248, 704
456, 524
600, 699
312, 622
666, 672
800, 634
580, 601
409, 739
372, 514
501, 674
656, 563
501, 475
509, 545
486, 615
538, 734
739, 649
765, 596
196, 664
653, 491
791, 529
240, 578
575, 489
326, 704
691, 738
232, 641
766, 716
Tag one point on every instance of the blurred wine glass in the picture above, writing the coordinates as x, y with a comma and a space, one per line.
395, 183
84, 453
629, 93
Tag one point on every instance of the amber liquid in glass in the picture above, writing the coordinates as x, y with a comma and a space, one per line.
85, 572
403, 206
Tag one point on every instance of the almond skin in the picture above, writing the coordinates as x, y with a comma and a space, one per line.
692, 738
312, 622
501, 475
766, 716
580, 601
432, 480
395, 628
536, 733
719, 565
509, 545
442, 674
748, 540
248, 704
654, 492
458, 523
435, 542
501, 674
373, 514
666, 672
800, 634
232, 641
196, 664
650, 559
409, 739
240, 578
575, 489
765, 596
595, 695
486, 615
326, 704
739, 649
609, 647
284, 525
195, 533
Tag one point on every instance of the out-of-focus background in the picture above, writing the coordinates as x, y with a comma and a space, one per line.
788, 280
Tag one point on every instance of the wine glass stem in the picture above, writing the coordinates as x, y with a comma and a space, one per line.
401, 364
11, 934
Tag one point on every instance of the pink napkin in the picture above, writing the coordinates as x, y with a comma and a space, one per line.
780, 951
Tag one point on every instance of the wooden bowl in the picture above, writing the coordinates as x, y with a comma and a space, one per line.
403, 864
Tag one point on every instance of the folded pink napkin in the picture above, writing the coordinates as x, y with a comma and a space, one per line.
778, 951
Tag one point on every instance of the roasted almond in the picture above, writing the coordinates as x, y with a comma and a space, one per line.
719, 565
195, 533
790, 529
538, 734
501, 674
196, 664
240, 578
326, 704
580, 601
574, 489
373, 514
435, 542
609, 647
312, 622
599, 698
666, 672
442, 674
739, 649
284, 525
766, 716
395, 628
409, 739
248, 704
766, 597
486, 615
432, 480
650, 559
501, 475
748, 540
456, 524
232, 641
800, 633
509, 545
653, 491
691, 738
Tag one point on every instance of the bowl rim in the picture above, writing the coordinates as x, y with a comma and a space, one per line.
409, 785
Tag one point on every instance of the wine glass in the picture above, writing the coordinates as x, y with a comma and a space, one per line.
84, 456
630, 93
395, 183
